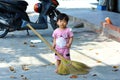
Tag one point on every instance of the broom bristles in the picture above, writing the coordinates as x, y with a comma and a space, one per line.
79, 65
63, 69
78, 68
72, 67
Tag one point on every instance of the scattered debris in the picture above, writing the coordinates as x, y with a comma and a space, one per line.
73, 76
98, 61
12, 68
23, 77
90, 49
35, 41
115, 66
48, 64
115, 70
94, 75
93, 8
32, 45
96, 53
13, 77
25, 67
25, 42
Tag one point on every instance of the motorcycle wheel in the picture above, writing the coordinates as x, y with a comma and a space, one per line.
3, 32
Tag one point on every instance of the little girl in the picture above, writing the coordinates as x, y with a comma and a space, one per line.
62, 38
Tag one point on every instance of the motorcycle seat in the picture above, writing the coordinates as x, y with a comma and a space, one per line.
18, 3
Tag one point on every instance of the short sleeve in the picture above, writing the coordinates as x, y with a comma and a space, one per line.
54, 33
70, 32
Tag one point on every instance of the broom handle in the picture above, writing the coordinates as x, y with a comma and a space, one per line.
45, 41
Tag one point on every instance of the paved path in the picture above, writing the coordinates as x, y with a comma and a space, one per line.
36, 61
93, 16
99, 52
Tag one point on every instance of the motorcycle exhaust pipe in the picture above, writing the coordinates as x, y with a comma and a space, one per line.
4, 22
35, 25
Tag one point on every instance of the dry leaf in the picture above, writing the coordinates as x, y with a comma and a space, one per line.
90, 49
115, 66
74, 76
115, 70
98, 61
25, 67
13, 77
25, 42
94, 75
11, 68
96, 53
22, 75
32, 45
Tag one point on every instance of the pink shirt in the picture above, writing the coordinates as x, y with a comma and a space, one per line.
64, 36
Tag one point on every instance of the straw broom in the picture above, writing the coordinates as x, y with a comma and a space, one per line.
66, 66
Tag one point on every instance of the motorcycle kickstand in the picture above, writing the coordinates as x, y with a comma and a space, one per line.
28, 32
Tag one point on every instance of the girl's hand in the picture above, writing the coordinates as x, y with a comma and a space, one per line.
54, 43
53, 46
68, 45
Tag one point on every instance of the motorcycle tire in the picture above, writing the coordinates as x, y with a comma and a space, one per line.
3, 32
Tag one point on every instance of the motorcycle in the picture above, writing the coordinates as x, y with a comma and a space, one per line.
13, 15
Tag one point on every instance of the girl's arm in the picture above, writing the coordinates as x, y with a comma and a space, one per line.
54, 42
69, 42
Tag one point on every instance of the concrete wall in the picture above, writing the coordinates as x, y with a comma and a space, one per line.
118, 5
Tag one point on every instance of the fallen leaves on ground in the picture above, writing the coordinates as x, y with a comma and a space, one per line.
23, 77
25, 43
12, 69
98, 61
115, 70
73, 76
115, 66
13, 77
25, 67
96, 53
32, 45
94, 75
90, 49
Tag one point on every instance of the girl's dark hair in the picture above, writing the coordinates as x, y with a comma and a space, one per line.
62, 16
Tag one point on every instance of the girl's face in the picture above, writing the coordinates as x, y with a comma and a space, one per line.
62, 23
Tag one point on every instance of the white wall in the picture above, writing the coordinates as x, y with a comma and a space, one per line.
31, 5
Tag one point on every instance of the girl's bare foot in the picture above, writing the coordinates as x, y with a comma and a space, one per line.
56, 70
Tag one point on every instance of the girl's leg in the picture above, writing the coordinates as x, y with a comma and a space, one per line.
66, 54
57, 65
